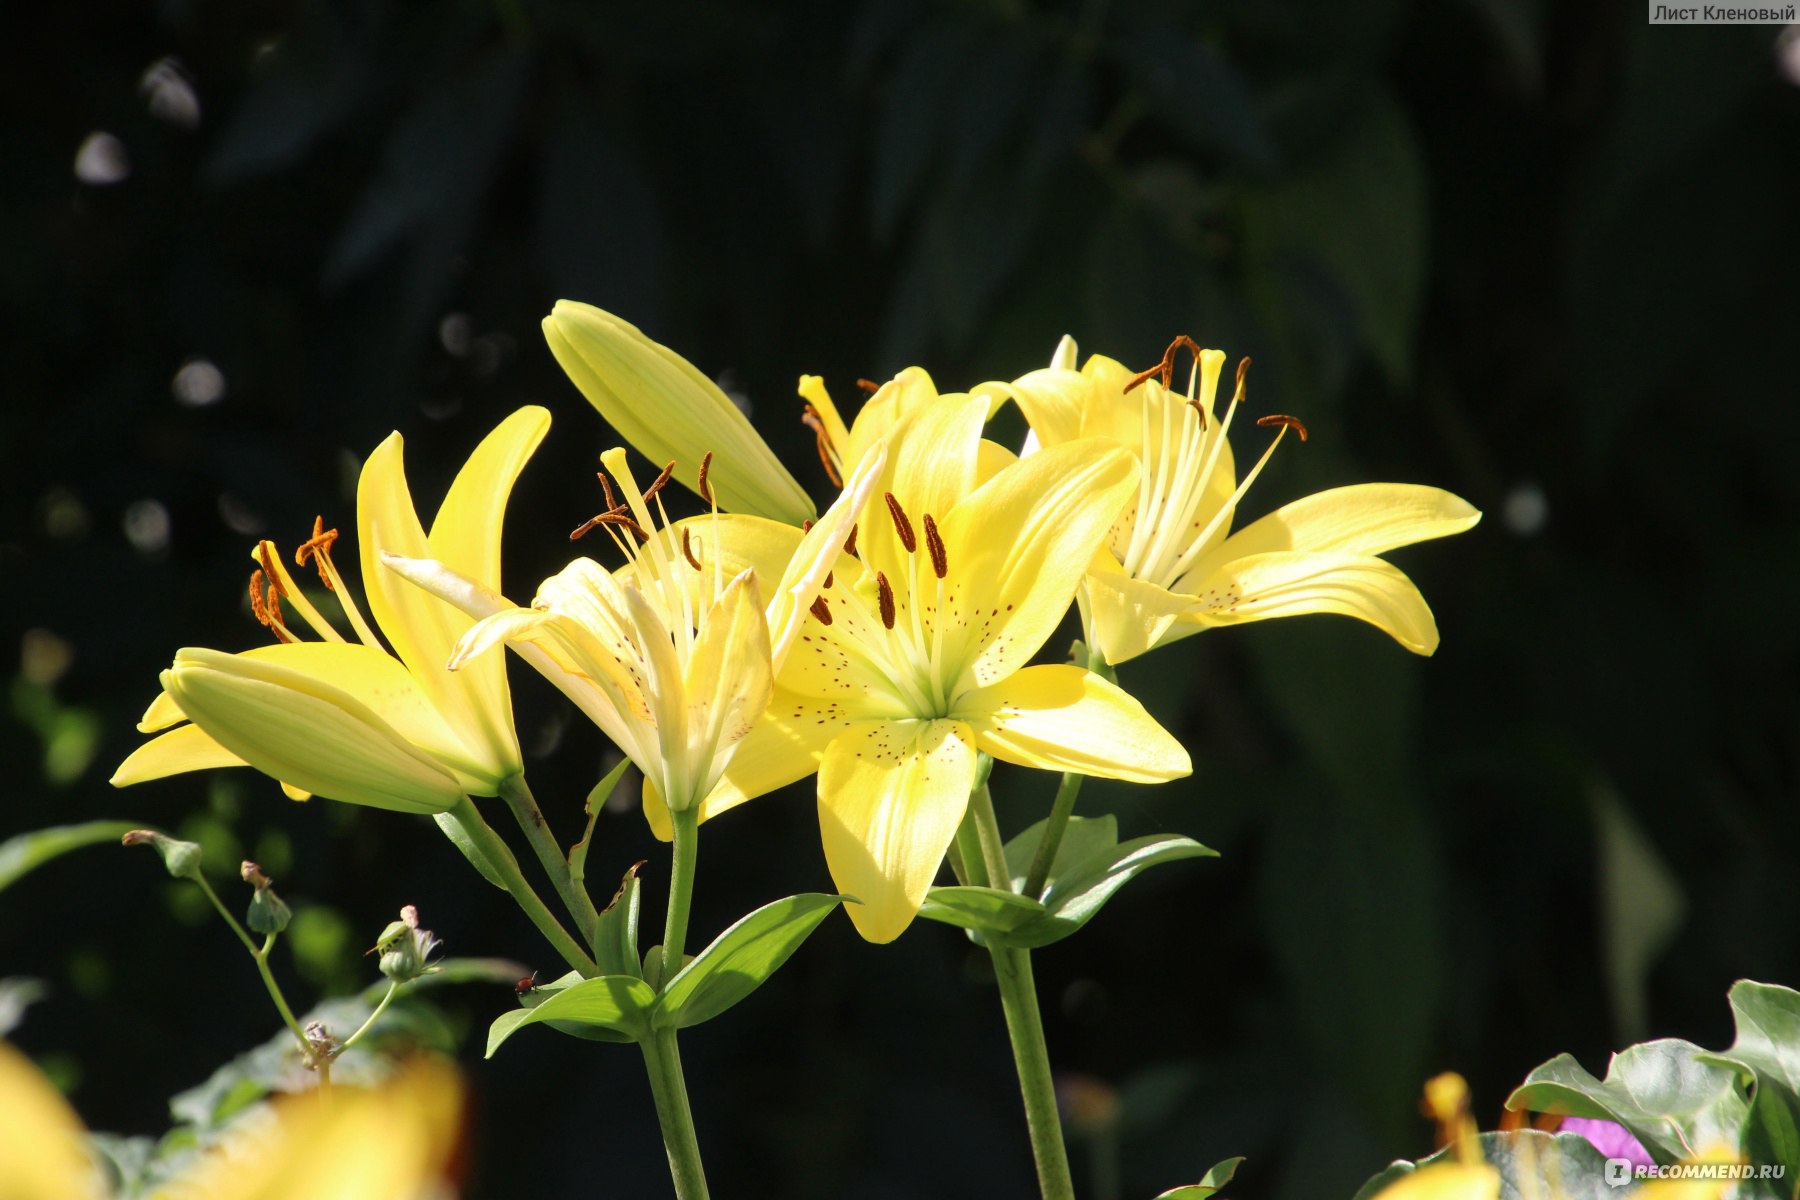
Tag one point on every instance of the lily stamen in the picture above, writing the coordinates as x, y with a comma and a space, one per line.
821, 610
902, 523
704, 487
827, 453
687, 550
885, 594
1166, 368
868, 385
1285, 421
940, 561
656, 485
319, 546
850, 542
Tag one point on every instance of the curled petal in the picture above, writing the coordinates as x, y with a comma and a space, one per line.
1065, 718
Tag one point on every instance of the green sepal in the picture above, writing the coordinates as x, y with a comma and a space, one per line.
615, 938
21, 855
596, 800
609, 1008
1217, 1177
739, 960
1532, 1165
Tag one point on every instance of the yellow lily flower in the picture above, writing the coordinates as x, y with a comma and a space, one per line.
915, 660
350, 720
1171, 565
674, 655
1445, 1181
667, 408
396, 1142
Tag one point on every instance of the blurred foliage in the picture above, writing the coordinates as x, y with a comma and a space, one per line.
1538, 254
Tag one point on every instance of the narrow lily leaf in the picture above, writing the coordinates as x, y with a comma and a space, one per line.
1073, 900
1083, 838
1767, 1053
476, 856
740, 959
1211, 1182
1665, 1092
981, 909
21, 855
1531, 1166
596, 800
610, 1008
615, 947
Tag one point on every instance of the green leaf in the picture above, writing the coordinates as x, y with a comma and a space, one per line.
1073, 900
610, 1008
1767, 1052
1083, 838
982, 910
1532, 1166
1665, 1092
459, 837
596, 800
1211, 1182
616, 937
740, 959
21, 855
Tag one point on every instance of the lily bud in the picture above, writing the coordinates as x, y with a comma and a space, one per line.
181, 858
668, 409
307, 733
269, 913
405, 948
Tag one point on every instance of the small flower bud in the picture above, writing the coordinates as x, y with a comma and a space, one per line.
405, 948
269, 913
181, 858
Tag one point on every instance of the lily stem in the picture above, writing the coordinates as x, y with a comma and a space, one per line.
663, 1061
686, 847
499, 859
393, 987
261, 955
1057, 823
575, 898
1024, 1025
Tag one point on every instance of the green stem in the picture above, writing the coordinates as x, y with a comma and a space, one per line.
500, 859
663, 1061
685, 848
393, 987
575, 898
987, 833
262, 965
1025, 1028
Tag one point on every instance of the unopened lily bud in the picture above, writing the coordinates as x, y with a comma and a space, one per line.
269, 913
405, 948
181, 858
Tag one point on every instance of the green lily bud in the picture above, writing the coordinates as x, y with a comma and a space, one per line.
181, 858
669, 410
405, 948
269, 913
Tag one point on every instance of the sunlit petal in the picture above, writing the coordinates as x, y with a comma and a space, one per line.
891, 795
183, 749
1364, 518
1066, 718
728, 681
1286, 584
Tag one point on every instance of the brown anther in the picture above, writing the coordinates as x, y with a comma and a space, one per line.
257, 608
850, 542
687, 550
704, 487
940, 562
821, 610
885, 594
1166, 368
318, 547
265, 598
830, 578
659, 482
811, 419
1199, 410
1292, 423
868, 385
612, 501
614, 516
1242, 370
806, 525
902, 525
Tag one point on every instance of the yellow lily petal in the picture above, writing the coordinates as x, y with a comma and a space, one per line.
43, 1148
817, 555
728, 681
891, 794
1065, 718
290, 725
1027, 535
423, 629
1127, 616
909, 392
663, 405
1445, 1181
1053, 400
933, 457
1289, 583
571, 657
1364, 518
187, 748
162, 713
837, 434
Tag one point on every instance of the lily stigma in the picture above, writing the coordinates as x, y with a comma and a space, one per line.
1172, 565
348, 719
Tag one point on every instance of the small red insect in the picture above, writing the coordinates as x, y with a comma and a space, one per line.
526, 983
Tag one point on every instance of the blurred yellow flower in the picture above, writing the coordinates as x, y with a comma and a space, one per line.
1171, 565
350, 720
43, 1155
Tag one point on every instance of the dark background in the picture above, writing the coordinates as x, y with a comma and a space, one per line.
1542, 255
